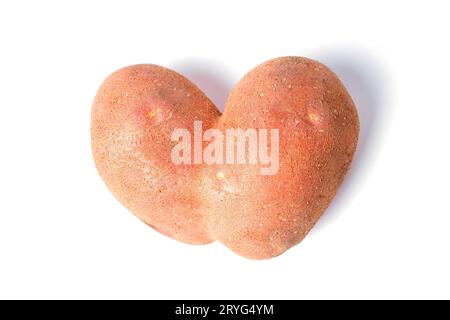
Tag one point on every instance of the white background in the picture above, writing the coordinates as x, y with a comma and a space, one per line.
63, 235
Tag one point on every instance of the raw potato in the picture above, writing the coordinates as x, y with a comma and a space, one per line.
133, 115
257, 216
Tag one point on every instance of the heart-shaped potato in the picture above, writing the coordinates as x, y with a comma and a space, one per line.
258, 215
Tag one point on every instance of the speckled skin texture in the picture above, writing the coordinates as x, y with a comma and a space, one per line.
256, 216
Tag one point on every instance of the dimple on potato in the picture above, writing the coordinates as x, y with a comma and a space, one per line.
257, 216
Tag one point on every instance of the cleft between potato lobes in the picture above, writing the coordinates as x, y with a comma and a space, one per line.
138, 109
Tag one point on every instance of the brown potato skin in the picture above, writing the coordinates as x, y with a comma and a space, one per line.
256, 216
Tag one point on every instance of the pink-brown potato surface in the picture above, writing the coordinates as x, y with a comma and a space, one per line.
257, 216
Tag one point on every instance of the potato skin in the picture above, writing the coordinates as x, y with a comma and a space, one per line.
133, 115
256, 216
265, 215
